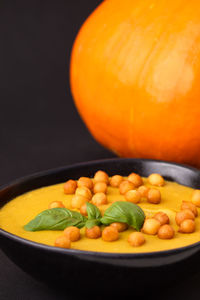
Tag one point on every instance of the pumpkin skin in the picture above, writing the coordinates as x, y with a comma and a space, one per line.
135, 78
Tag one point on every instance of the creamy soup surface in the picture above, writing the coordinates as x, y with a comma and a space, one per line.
22, 209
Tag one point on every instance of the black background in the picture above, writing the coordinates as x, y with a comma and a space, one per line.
39, 126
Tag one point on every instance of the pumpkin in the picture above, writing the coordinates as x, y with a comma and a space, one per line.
135, 78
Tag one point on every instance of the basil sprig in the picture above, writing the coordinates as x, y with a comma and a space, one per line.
60, 218
124, 212
94, 215
56, 219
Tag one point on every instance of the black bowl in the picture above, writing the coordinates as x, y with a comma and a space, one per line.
86, 268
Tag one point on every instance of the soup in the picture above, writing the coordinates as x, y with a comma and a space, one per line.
19, 211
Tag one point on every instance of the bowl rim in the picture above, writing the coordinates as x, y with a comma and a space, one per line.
114, 255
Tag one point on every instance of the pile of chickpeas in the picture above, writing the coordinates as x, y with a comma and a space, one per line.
133, 189
185, 218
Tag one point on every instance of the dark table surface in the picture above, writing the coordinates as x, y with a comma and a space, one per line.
39, 126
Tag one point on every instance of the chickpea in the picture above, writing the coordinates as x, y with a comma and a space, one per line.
116, 180
100, 187
133, 196
125, 186
101, 176
93, 233
119, 226
70, 187
62, 242
55, 204
162, 218
156, 179
72, 233
85, 181
110, 234
187, 226
83, 210
183, 215
196, 198
151, 226
135, 179
84, 191
136, 239
154, 196
143, 190
166, 232
78, 201
99, 199
191, 206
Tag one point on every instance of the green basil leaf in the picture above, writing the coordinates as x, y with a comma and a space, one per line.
93, 222
92, 211
124, 212
56, 219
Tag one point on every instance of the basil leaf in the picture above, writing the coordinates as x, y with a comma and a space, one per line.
124, 212
94, 215
93, 222
92, 211
56, 219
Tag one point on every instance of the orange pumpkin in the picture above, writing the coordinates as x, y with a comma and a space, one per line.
135, 78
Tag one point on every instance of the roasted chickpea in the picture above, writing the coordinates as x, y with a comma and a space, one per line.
78, 201
116, 180
156, 179
84, 191
85, 181
83, 209
162, 218
135, 179
187, 226
196, 198
184, 215
70, 186
119, 226
72, 233
93, 233
55, 204
100, 187
166, 232
151, 226
154, 196
101, 176
62, 242
110, 234
125, 186
143, 190
133, 196
191, 206
136, 239
99, 199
